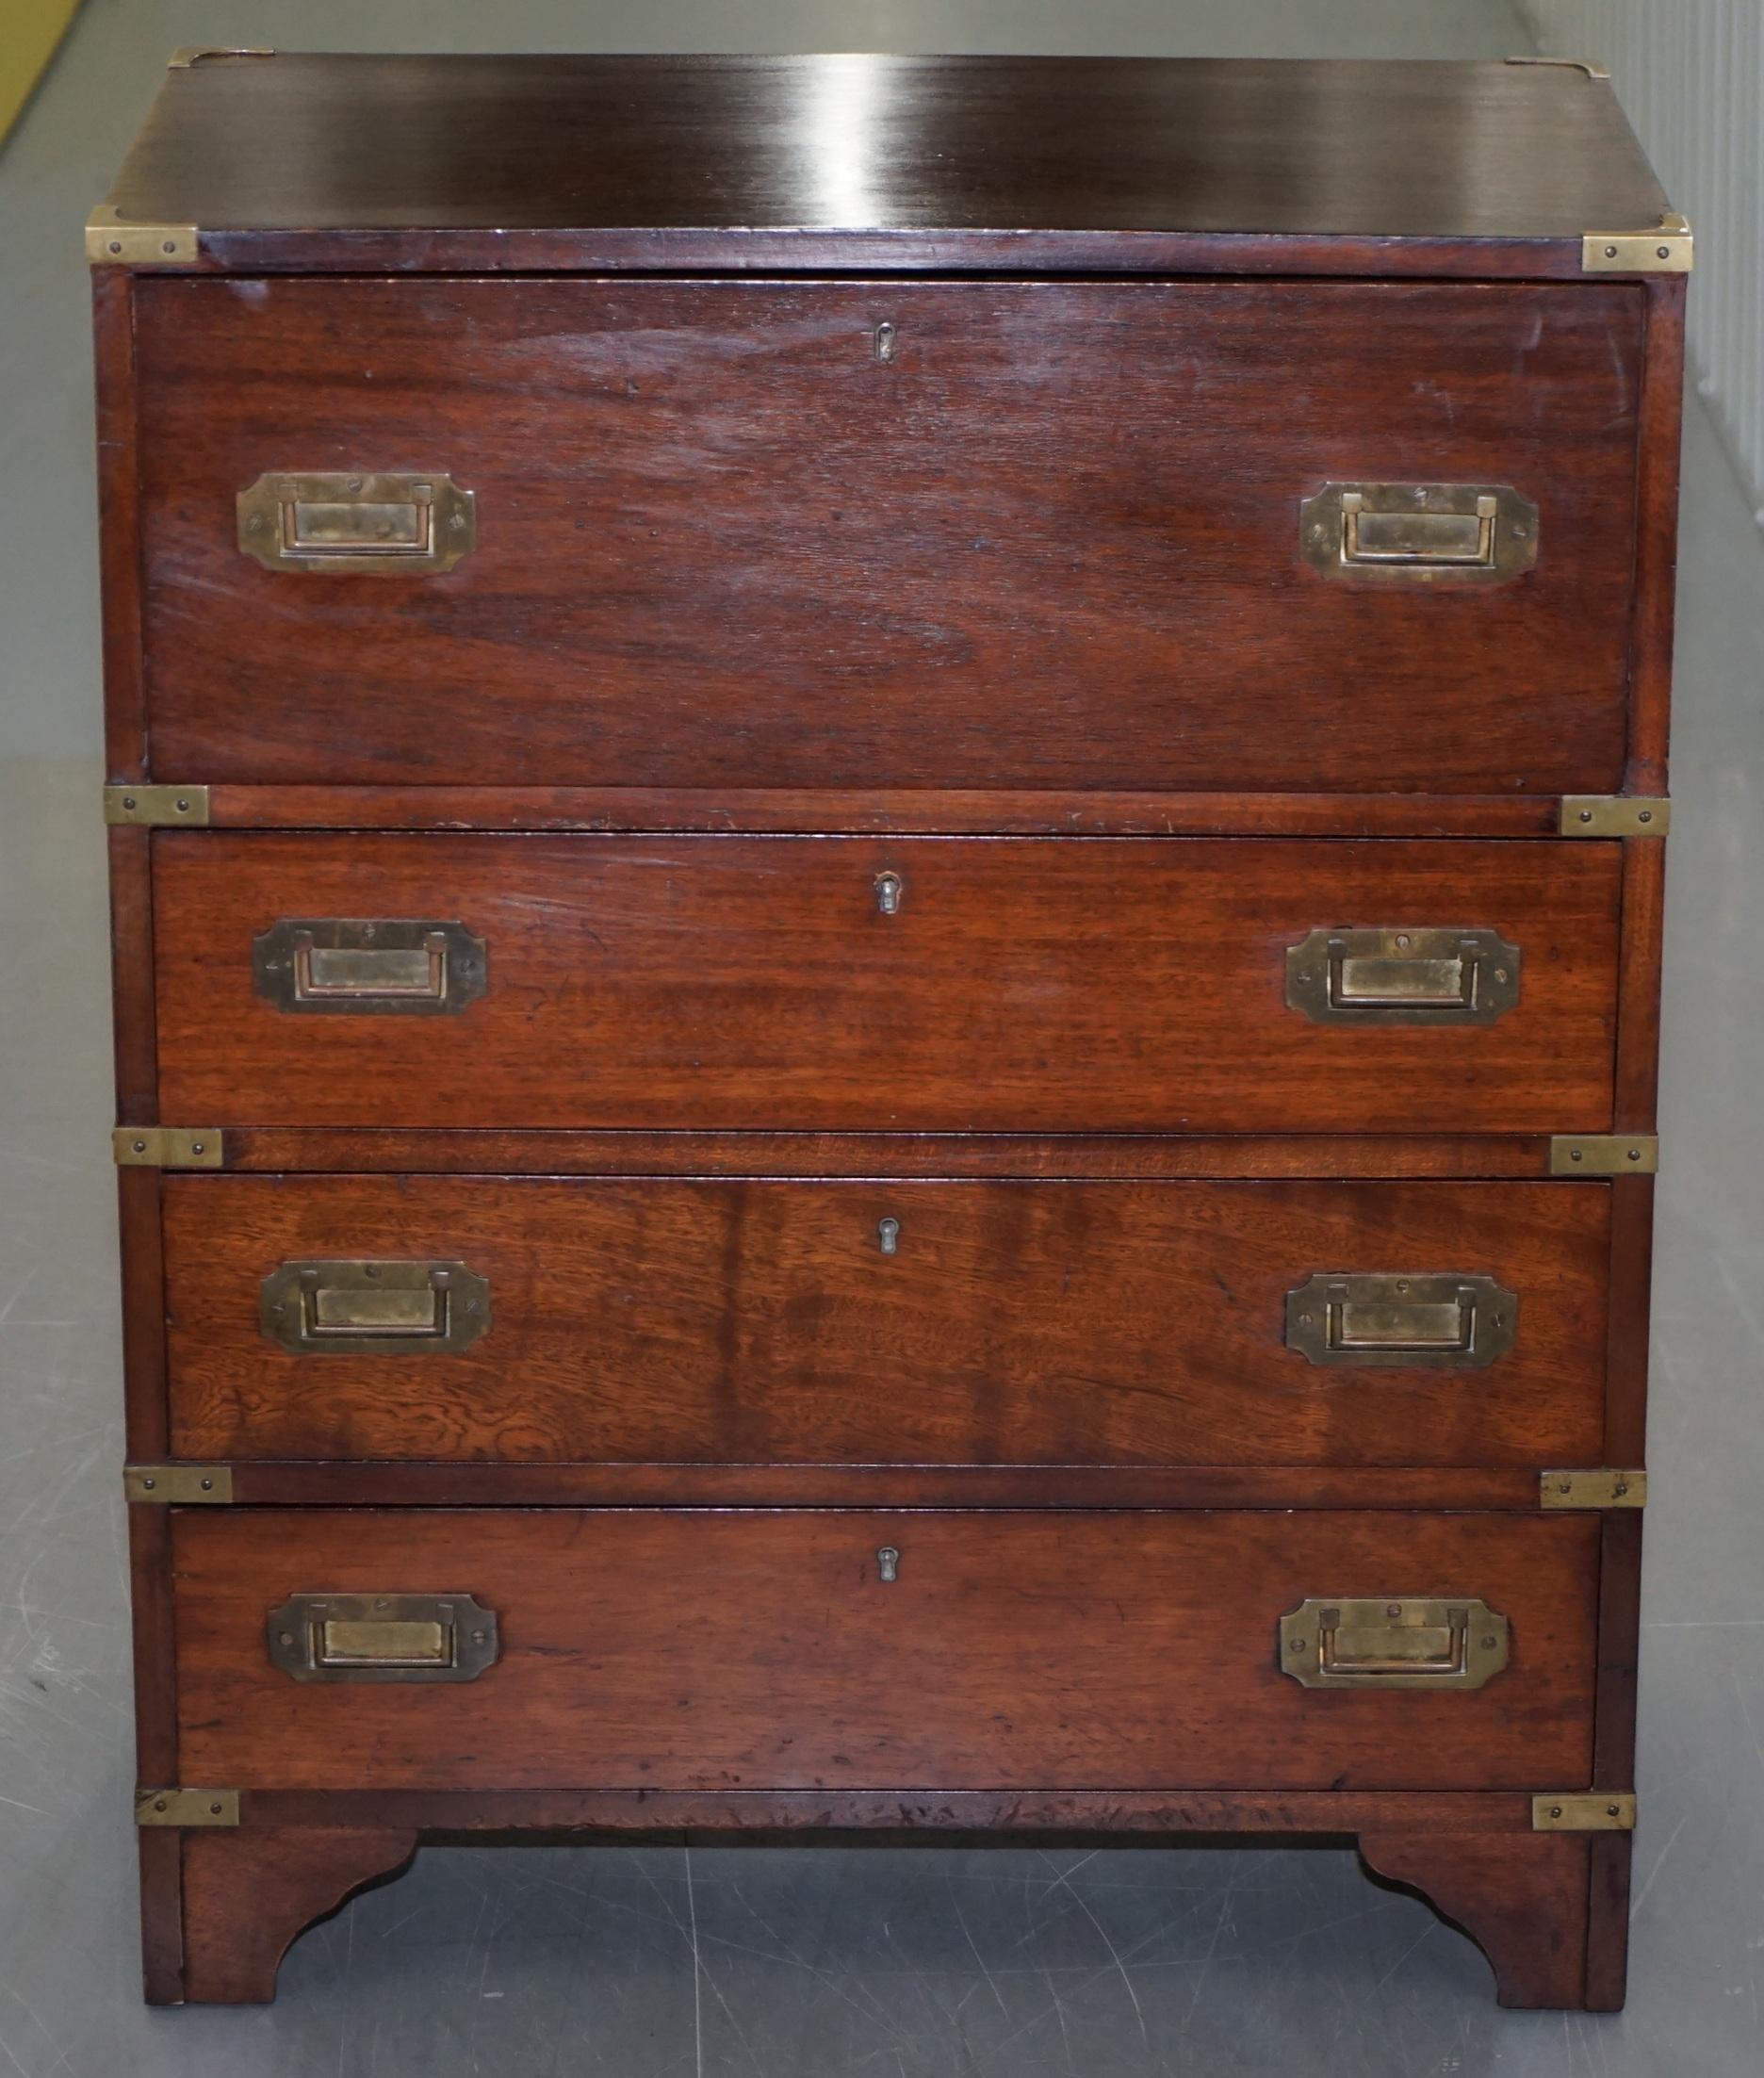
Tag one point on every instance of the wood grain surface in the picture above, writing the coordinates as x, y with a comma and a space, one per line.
941, 162
1523, 1901
730, 1650
1052, 542
748, 1323
248, 1895
1097, 985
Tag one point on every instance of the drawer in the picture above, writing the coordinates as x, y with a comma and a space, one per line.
1053, 539
886, 1322
769, 1650
958, 984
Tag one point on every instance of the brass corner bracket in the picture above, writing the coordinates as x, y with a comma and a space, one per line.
187, 1807
110, 243
167, 1147
1670, 249
1614, 815
188, 55
1584, 1812
179, 1485
1604, 1487
1574, 64
1604, 1155
157, 808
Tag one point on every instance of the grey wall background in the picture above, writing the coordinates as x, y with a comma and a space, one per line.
1690, 77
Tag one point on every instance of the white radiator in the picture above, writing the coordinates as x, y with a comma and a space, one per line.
1690, 77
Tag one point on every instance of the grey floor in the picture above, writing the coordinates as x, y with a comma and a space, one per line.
893, 1962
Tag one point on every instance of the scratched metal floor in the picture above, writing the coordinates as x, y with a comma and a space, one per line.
914, 1962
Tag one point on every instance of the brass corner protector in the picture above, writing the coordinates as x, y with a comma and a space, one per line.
188, 55
1604, 1155
110, 243
1573, 64
1614, 815
1670, 249
179, 1485
157, 808
167, 1147
1584, 1812
187, 1807
1604, 1486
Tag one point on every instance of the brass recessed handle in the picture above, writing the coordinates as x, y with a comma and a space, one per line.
350, 522
355, 1306
1419, 1321
383, 1637
1405, 1641
1402, 976
1419, 533
369, 966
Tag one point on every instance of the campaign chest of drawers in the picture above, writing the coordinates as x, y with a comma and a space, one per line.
887, 860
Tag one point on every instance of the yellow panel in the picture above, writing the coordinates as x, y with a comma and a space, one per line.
28, 35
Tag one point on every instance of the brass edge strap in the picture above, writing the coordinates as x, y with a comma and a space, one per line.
167, 1147
1573, 64
175, 1807
1604, 1153
1601, 1486
110, 243
179, 1485
1584, 1812
156, 806
1614, 815
1668, 248
188, 55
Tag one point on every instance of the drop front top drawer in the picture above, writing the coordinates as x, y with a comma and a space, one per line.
863, 1649
885, 1322
1084, 985
1133, 534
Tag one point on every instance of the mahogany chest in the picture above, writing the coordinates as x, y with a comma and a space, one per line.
887, 850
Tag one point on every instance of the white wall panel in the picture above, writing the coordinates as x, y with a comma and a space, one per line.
1690, 77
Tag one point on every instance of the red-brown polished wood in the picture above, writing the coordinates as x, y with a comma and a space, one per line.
1036, 575
476, 1483
754, 982
762, 1322
271, 1151
247, 1895
762, 1650
1052, 541
906, 161
1523, 1901
954, 811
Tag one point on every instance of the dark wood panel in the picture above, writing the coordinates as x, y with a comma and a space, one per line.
754, 1323
247, 1896
1523, 1901
943, 1817
1657, 531
273, 1150
942, 812
1020, 144
738, 1650
309, 1482
1053, 542
1639, 953
120, 517
752, 982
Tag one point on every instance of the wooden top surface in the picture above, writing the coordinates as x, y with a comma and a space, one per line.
301, 158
